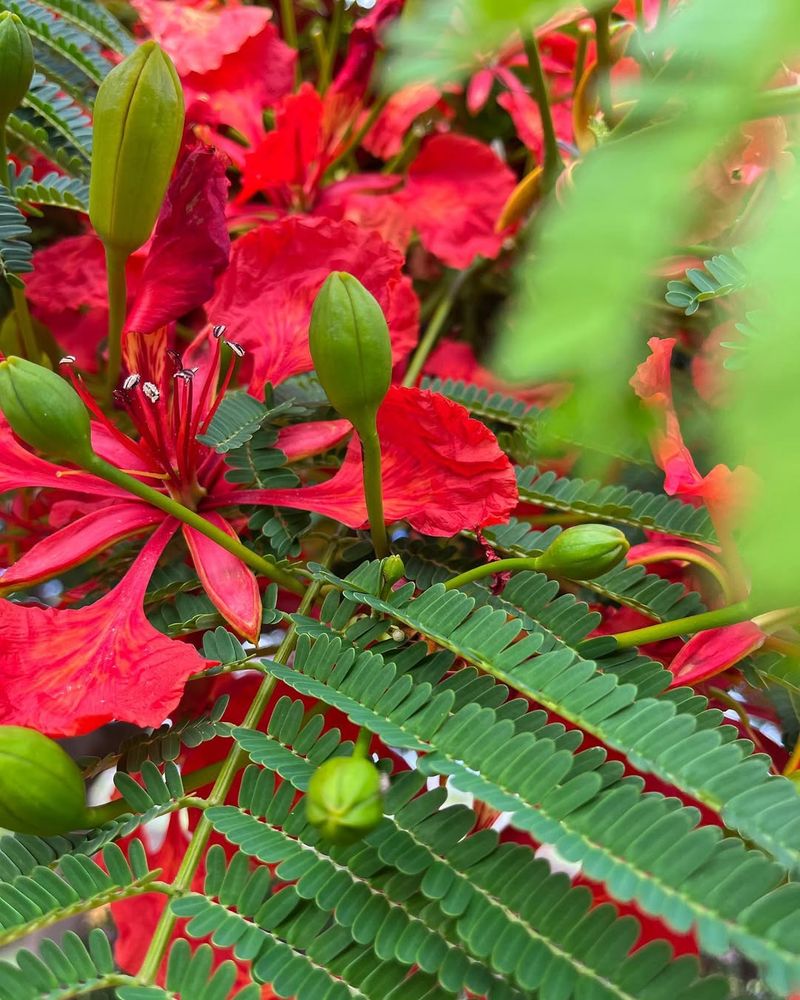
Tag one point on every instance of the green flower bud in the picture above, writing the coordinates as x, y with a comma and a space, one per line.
41, 788
584, 552
351, 348
344, 800
138, 123
393, 569
45, 411
16, 63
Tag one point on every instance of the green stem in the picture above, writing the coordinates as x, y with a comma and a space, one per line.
695, 558
602, 23
435, 327
511, 565
97, 816
117, 310
361, 749
177, 510
288, 23
28, 342
331, 46
580, 56
230, 767
730, 615
777, 101
373, 491
553, 164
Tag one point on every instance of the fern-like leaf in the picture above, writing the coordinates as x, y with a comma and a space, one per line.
15, 250
54, 190
649, 511
721, 275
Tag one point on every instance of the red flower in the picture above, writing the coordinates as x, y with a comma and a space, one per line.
168, 407
267, 292
66, 672
455, 191
448, 476
385, 138
653, 384
231, 60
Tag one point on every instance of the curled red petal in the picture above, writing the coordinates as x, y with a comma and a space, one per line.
713, 651
303, 440
448, 476
190, 245
66, 672
227, 581
456, 189
266, 294
79, 541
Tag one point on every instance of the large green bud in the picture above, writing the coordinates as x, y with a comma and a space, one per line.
584, 552
138, 123
41, 788
16, 63
351, 349
45, 411
344, 800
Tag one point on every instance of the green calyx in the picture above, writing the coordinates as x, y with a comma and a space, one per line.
344, 800
351, 349
41, 788
138, 123
584, 552
45, 411
16, 63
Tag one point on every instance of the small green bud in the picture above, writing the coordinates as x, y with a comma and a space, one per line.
351, 349
584, 552
345, 800
138, 123
45, 411
393, 569
16, 63
41, 788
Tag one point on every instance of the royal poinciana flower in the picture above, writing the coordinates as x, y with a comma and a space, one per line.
68, 671
230, 58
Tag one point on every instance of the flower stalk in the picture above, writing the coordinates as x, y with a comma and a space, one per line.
730, 615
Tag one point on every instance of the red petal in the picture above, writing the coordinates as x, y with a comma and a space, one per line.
190, 245
227, 581
246, 82
448, 476
304, 440
292, 153
456, 189
371, 201
709, 653
20, 468
385, 138
78, 314
66, 672
79, 541
265, 296
199, 40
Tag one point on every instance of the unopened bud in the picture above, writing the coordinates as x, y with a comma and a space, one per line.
138, 123
344, 800
16, 63
393, 569
351, 349
41, 788
584, 552
45, 411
